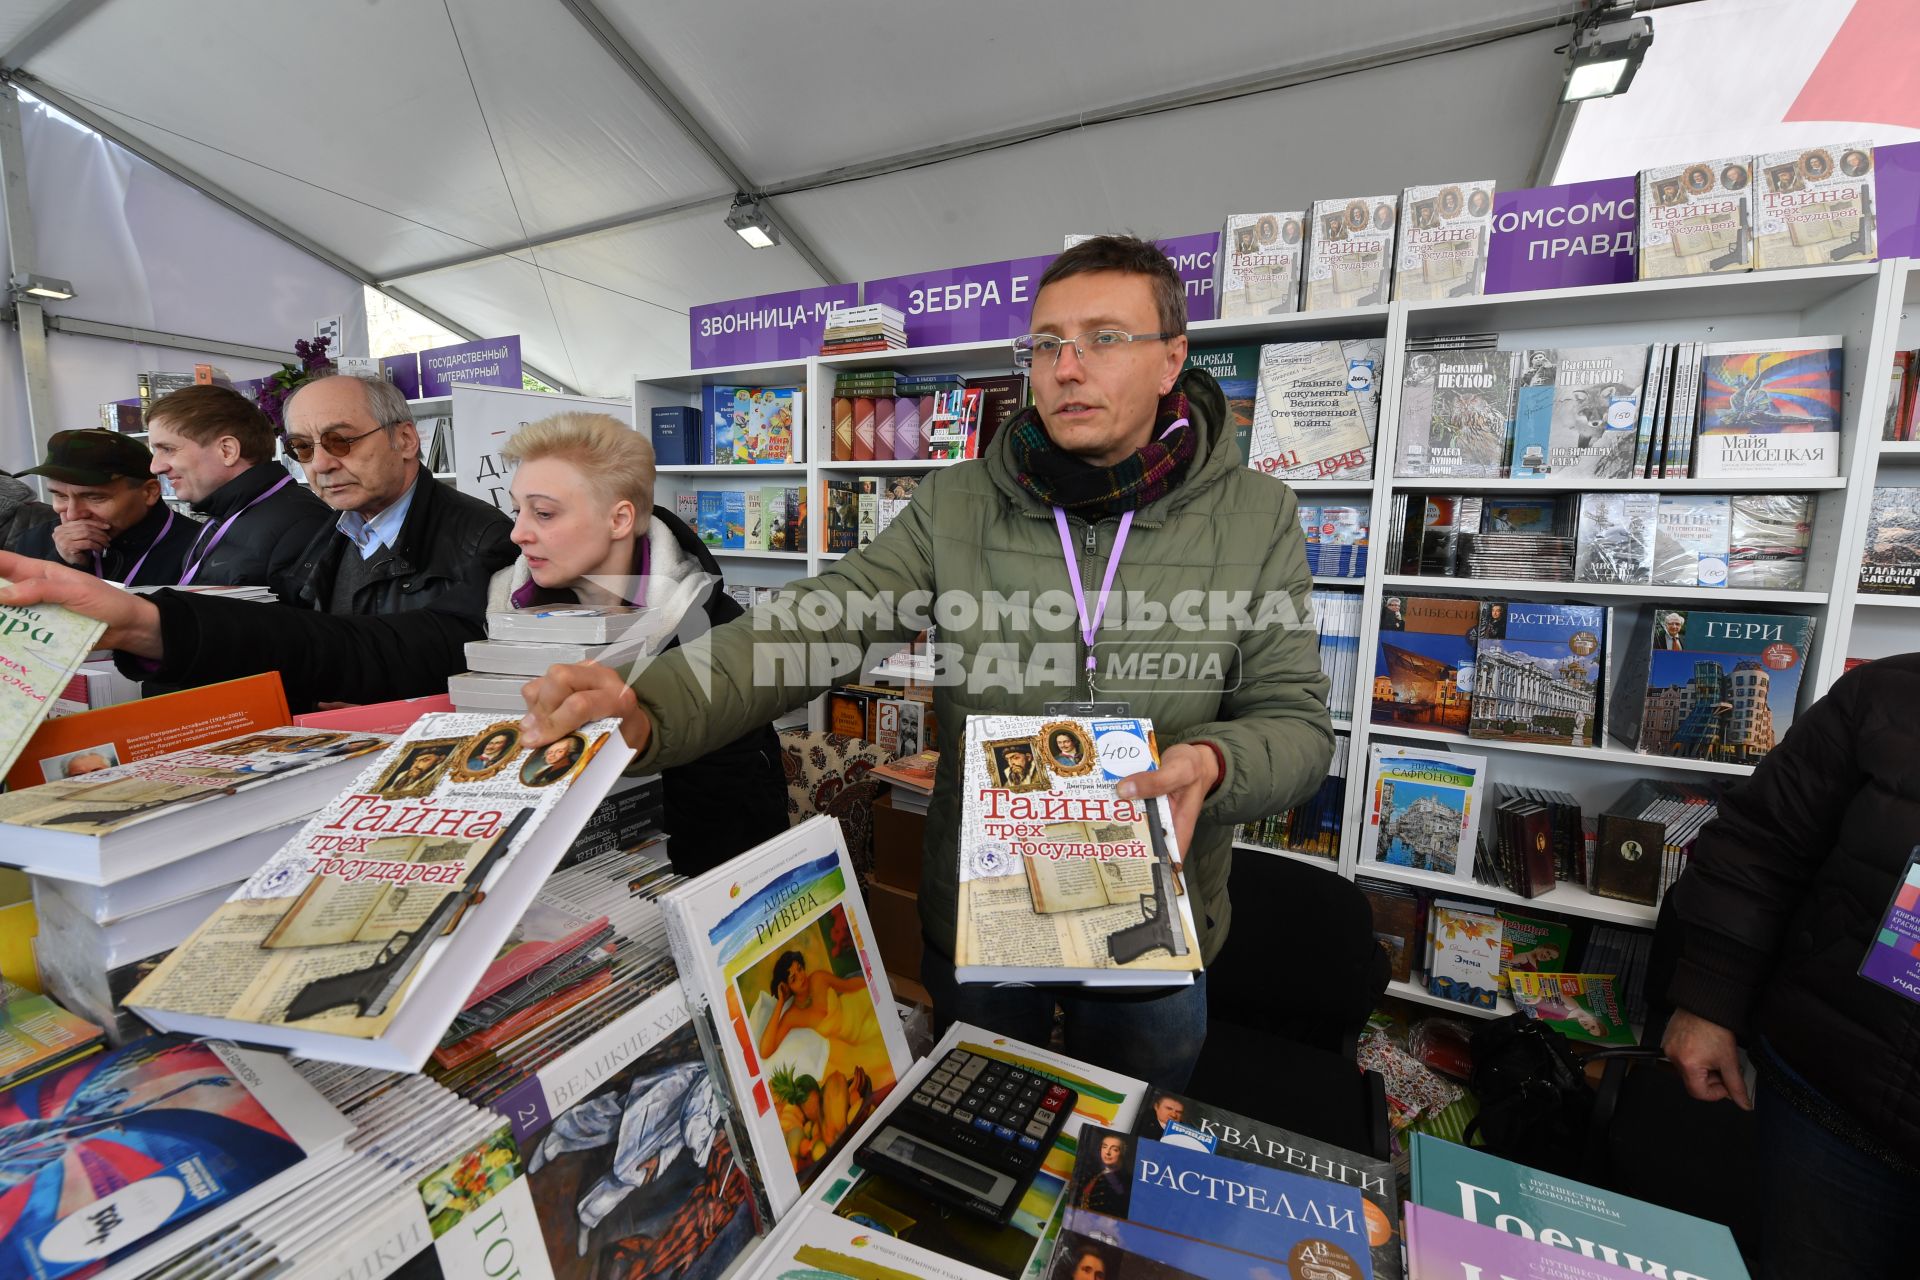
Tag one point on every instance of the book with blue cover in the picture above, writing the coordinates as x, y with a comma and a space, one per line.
1537, 672
1533, 413
711, 524
733, 519
1210, 1215
676, 434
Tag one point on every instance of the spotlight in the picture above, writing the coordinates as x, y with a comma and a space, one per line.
752, 225
43, 287
1606, 51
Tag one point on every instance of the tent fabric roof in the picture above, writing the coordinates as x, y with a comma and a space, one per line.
400, 136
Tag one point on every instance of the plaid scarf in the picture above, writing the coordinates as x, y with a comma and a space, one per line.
1060, 479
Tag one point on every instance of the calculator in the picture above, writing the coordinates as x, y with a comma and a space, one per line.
972, 1134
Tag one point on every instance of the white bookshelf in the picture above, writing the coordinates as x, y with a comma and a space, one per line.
1415, 993
1866, 304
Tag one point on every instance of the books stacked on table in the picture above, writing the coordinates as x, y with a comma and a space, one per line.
911, 778
872, 327
523, 643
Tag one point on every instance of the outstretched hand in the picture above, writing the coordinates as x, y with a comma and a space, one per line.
1708, 1058
574, 693
133, 622
1185, 776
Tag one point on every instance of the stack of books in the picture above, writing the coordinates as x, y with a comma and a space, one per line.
1336, 618
37, 1036
1336, 536
860, 507
911, 778
523, 643
766, 518
873, 327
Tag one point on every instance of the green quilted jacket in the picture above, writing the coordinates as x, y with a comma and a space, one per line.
1209, 632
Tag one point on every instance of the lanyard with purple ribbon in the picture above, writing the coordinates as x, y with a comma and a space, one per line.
195, 561
100, 564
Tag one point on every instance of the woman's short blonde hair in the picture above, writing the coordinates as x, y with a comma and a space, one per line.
616, 460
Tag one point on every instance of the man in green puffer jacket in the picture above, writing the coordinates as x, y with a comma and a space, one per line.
1212, 561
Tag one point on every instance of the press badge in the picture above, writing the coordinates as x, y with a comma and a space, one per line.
1893, 960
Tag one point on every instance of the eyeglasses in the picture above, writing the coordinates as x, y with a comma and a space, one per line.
1099, 344
333, 442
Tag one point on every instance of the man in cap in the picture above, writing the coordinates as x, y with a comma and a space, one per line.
112, 522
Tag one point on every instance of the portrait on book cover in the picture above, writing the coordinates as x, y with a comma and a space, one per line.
307, 742
1426, 213
77, 764
358, 747
1734, 177
1245, 240
1479, 202
1164, 1109
1068, 749
1013, 765
243, 746
1104, 1184
417, 770
554, 762
1079, 1257
1782, 178
487, 752
1856, 163
1668, 192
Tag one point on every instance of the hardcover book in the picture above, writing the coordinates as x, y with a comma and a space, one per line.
1615, 542
359, 941
1183, 1122
775, 952
1443, 246
1467, 430
1463, 945
1577, 1219
1350, 252
1768, 540
1258, 268
712, 523
1890, 561
1536, 675
1596, 411
1696, 218
1316, 407
41, 646
1423, 665
1816, 206
1443, 1247
1770, 408
676, 435
568, 623
1061, 880
1709, 685
1237, 370
1690, 540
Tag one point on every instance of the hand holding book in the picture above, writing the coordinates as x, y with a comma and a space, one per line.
133, 623
1187, 774
578, 693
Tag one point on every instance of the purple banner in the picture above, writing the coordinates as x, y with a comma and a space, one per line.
773, 326
1583, 233
491, 362
1896, 196
991, 301
403, 372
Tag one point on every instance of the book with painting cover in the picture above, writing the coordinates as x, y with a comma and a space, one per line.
1890, 560
1258, 267
1443, 1247
110, 824
37, 1036
1816, 206
1237, 370
359, 941
775, 952
41, 646
1463, 953
1696, 218
1444, 240
733, 519
1422, 809
1459, 421
1596, 410
1316, 408
1770, 408
1423, 664
1061, 880
1350, 252
1184, 1122
1536, 675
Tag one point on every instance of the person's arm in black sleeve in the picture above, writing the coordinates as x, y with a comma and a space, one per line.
320, 657
1752, 865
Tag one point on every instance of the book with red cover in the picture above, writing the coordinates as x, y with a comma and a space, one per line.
91, 740
376, 717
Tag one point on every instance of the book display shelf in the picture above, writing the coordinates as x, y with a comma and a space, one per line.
1866, 304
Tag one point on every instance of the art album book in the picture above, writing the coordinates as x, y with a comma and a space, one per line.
1060, 879
359, 940
1770, 408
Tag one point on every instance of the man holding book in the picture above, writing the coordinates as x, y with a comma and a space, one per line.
1122, 482
112, 522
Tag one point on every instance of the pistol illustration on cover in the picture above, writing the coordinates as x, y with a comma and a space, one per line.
1737, 251
372, 989
1159, 926
1862, 237
1471, 286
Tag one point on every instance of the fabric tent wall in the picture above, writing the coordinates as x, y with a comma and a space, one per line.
145, 249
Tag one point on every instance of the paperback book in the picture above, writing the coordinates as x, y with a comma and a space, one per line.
41, 646
1443, 246
1316, 408
1890, 561
1350, 252
1696, 218
1463, 953
1423, 809
1237, 370
1060, 880
359, 940
1259, 264
1816, 206
1581, 1006
1616, 538
1691, 540
1596, 411
775, 952
1537, 673
1770, 408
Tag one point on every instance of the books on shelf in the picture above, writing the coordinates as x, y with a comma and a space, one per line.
1537, 673
1816, 206
747, 425
1423, 664
359, 940
1060, 880
1337, 535
1770, 408
1890, 559
1456, 414
1422, 809
1768, 540
1581, 1006
792, 1007
1336, 618
675, 434
1444, 242
1532, 944
1257, 271
122, 821
1463, 953
1311, 827
1399, 924
873, 327
1350, 252
1522, 815
1691, 539
1644, 838
1316, 409
1616, 538
1709, 685
1596, 410
1696, 218
41, 646
1002, 396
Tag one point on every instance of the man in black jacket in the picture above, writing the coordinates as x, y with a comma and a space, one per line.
217, 449
402, 540
111, 522
1780, 903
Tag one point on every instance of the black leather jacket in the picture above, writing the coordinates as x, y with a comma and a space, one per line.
449, 547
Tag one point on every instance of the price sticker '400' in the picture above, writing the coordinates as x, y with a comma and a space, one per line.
1122, 748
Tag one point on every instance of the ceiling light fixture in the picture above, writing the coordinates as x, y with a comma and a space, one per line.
1608, 46
751, 225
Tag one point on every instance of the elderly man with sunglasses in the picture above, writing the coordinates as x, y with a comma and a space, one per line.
402, 540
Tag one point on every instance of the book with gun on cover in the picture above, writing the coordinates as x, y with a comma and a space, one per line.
335, 947
1060, 879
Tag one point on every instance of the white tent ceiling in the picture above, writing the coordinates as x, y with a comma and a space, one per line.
424, 144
